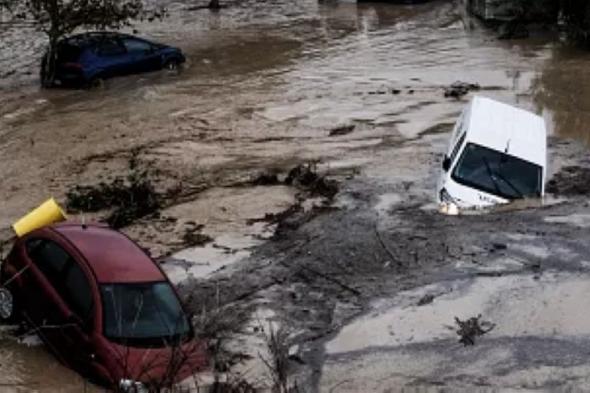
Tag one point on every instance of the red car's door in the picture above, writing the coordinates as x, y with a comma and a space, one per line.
60, 301
41, 303
78, 294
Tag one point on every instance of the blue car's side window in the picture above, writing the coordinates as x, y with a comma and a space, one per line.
109, 47
136, 46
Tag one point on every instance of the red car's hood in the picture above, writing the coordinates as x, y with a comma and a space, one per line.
159, 366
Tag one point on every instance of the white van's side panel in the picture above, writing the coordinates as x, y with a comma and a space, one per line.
453, 150
459, 128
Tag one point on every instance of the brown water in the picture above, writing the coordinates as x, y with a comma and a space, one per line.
26, 366
264, 84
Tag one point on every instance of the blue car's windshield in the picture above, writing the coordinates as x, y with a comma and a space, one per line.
136, 312
498, 173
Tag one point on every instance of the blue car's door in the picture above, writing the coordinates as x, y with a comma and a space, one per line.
143, 55
112, 57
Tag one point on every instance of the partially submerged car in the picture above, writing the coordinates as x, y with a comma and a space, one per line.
498, 153
88, 59
101, 305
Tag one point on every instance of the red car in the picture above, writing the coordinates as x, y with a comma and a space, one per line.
102, 306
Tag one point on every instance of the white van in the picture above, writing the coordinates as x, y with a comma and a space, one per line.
497, 153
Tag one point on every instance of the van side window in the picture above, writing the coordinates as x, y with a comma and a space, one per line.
457, 147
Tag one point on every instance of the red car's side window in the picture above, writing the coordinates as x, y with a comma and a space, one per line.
50, 259
65, 275
78, 293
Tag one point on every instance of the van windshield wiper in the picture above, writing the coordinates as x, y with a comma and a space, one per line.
491, 175
505, 180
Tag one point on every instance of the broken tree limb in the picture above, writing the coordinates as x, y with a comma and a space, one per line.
331, 279
384, 246
472, 328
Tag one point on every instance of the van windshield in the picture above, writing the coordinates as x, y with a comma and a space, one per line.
147, 313
498, 173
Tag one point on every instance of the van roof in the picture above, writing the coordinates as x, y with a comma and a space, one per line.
503, 127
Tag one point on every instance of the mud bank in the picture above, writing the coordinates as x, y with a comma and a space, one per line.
354, 298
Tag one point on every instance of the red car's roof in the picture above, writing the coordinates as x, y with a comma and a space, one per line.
112, 256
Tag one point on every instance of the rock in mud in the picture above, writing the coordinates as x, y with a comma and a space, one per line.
426, 299
306, 177
498, 247
342, 130
266, 179
459, 89
193, 237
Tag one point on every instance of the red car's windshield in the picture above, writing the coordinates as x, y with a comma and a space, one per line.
143, 313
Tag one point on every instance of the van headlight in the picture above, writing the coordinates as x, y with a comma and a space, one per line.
131, 386
448, 204
445, 197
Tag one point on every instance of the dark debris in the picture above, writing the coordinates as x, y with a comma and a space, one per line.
342, 130
192, 236
459, 89
128, 199
472, 328
306, 176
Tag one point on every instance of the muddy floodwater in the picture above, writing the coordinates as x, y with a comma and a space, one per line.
264, 88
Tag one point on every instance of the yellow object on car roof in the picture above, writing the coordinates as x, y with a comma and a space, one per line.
49, 212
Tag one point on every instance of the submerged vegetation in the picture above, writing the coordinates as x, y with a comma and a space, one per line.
128, 198
573, 16
576, 14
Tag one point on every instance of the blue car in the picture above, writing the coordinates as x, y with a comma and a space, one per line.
90, 58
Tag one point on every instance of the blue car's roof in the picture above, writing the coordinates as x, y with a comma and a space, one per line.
84, 40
